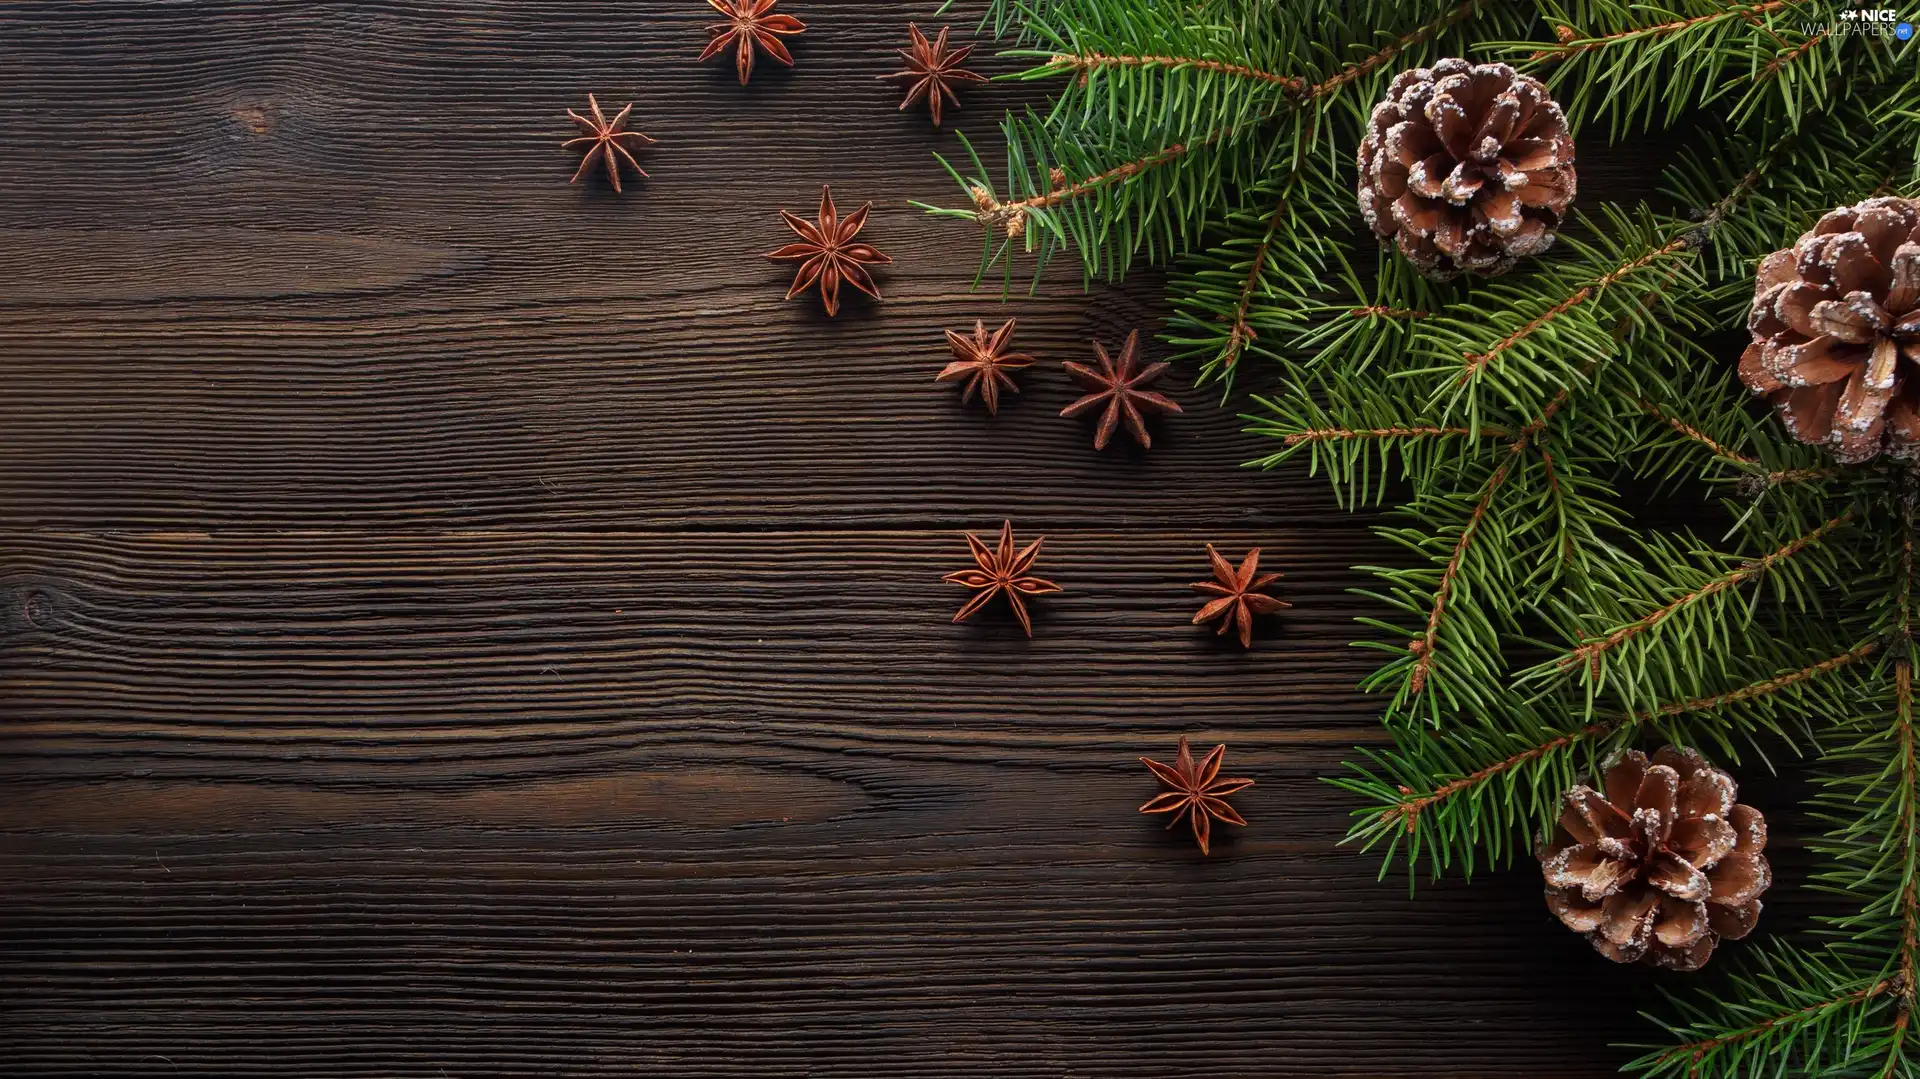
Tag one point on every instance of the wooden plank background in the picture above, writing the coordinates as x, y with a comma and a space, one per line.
453, 623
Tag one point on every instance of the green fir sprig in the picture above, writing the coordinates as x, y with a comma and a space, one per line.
1523, 434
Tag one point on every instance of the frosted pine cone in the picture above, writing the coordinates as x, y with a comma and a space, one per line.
1836, 332
1469, 166
1660, 866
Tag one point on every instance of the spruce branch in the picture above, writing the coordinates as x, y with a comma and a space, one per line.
1495, 785
1382, 311
1254, 275
1753, 195
1908, 904
1907, 795
1407, 813
1241, 332
1342, 434
1757, 476
1061, 63
1425, 647
1788, 1013
1571, 43
1151, 85
1011, 217
1589, 653
1410, 809
1696, 1052
1610, 61
1083, 64
1695, 435
1355, 71
1685, 610
1532, 356
1537, 627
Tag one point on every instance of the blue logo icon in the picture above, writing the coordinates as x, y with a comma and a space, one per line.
1904, 31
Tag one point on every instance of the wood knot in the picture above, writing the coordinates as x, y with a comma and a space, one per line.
257, 119
38, 609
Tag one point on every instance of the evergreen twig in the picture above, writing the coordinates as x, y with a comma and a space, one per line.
1533, 626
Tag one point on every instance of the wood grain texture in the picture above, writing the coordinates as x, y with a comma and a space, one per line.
454, 623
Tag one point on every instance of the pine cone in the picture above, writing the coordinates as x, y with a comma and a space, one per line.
1831, 318
1662, 865
1469, 165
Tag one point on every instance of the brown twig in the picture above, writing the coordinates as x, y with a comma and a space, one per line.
1299, 87
1774, 65
1573, 45
1475, 362
1091, 61
1698, 1050
1383, 311
1768, 479
1772, 685
1412, 808
1423, 646
1747, 183
1799, 475
1693, 433
1012, 216
1589, 654
1349, 434
1241, 332
1358, 70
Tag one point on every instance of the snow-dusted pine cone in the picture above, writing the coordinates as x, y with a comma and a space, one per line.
1469, 166
1836, 332
1662, 864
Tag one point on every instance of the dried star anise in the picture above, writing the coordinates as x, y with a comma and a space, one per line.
1198, 794
984, 362
1001, 571
932, 69
1118, 386
830, 253
750, 23
1239, 594
608, 139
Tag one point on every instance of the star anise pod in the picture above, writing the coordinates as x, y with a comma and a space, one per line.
608, 141
932, 69
984, 362
750, 23
1197, 791
1118, 386
1001, 571
830, 253
1239, 594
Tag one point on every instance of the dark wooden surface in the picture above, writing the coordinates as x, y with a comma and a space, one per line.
453, 623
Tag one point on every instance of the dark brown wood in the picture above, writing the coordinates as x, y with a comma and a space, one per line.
453, 623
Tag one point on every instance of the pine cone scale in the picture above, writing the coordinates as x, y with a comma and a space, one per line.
1682, 923
1733, 922
1702, 840
1738, 878
1677, 877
